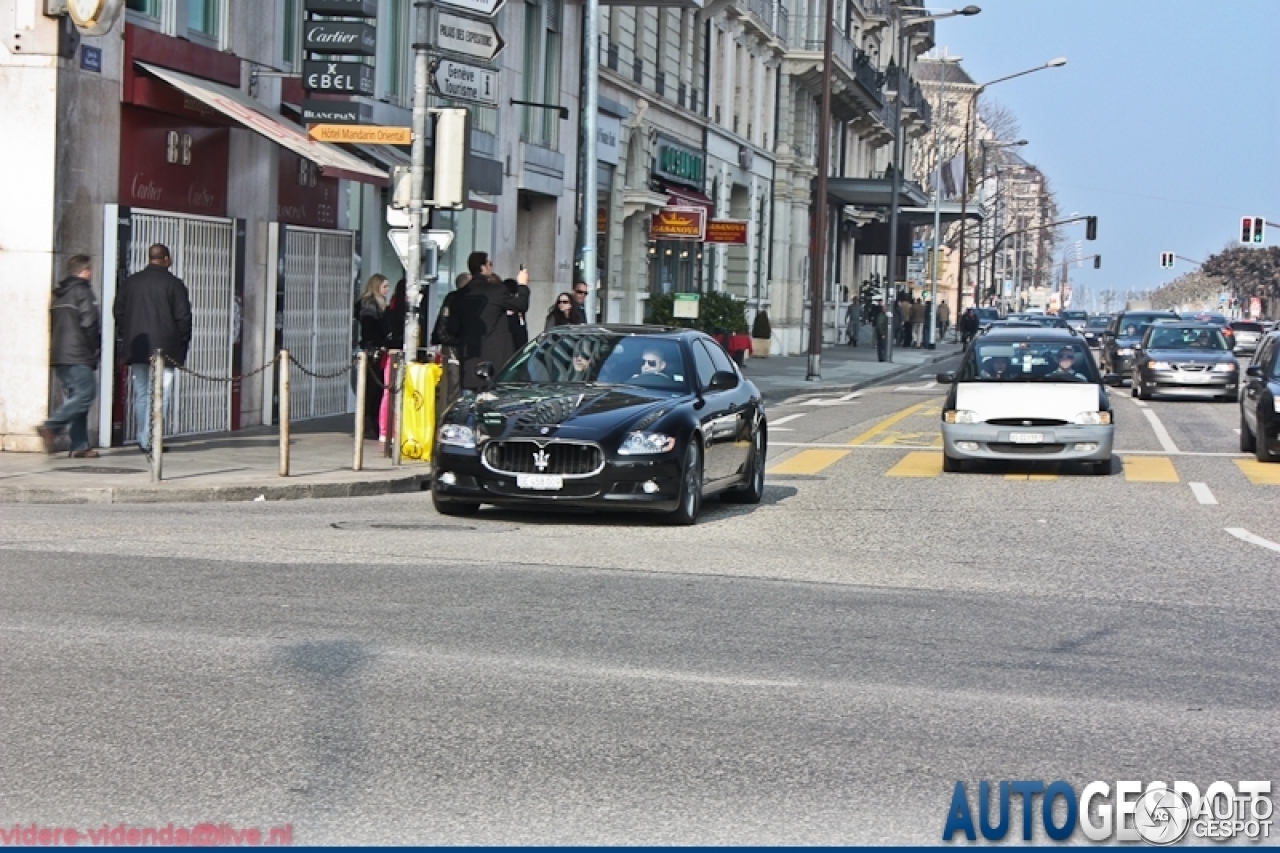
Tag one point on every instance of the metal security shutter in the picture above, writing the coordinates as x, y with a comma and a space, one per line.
203, 251
318, 294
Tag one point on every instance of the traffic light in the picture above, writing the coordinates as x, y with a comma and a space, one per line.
1166, 260
1246, 230
451, 145
1091, 228
1097, 262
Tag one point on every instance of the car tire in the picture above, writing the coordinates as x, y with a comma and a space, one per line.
690, 505
1261, 451
1247, 441
752, 491
445, 506
1144, 393
952, 465
1230, 398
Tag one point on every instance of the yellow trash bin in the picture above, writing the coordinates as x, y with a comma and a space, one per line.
418, 411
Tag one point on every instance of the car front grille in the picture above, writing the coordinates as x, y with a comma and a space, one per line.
1025, 449
1017, 422
526, 456
1193, 368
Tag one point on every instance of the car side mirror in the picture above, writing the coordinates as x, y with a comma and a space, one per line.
947, 378
1114, 380
485, 372
723, 380
1254, 370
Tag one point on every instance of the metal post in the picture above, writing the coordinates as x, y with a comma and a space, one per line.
362, 386
895, 180
157, 416
284, 412
818, 269
417, 179
590, 93
964, 204
394, 395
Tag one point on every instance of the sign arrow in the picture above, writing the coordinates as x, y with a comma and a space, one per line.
467, 36
487, 8
466, 82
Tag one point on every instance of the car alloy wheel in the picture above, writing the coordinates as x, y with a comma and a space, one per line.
752, 490
1247, 440
691, 484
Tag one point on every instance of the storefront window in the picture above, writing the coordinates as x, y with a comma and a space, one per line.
675, 266
150, 8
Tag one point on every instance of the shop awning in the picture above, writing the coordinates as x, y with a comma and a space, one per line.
873, 192
235, 105
948, 212
680, 197
387, 155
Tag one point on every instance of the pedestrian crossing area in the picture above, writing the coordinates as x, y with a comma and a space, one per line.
927, 464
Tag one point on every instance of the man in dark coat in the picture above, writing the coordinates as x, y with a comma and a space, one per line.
478, 317
76, 343
880, 326
153, 312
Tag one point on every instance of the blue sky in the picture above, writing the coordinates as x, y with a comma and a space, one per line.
1164, 123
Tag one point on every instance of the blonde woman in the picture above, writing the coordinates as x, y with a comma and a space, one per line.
375, 337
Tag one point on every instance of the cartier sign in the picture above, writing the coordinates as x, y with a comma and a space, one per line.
343, 37
347, 78
344, 8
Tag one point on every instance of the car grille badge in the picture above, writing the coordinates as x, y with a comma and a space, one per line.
545, 430
541, 459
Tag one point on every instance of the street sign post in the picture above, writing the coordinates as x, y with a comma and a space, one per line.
467, 36
367, 134
466, 82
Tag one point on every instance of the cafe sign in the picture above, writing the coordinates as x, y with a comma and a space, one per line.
679, 223
732, 231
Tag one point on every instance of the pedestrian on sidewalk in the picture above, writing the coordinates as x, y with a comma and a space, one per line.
375, 339
451, 379
918, 312
152, 312
943, 318
478, 319
853, 322
75, 345
881, 326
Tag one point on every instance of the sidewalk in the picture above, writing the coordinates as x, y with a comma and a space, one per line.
244, 465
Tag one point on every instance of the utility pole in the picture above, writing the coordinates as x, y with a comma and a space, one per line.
590, 74
417, 178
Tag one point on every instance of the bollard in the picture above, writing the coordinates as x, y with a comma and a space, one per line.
284, 413
362, 385
394, 404
157, 416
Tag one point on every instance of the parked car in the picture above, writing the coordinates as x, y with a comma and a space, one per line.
1185, 358
606, 417
1028, 394
1093, 330
1247, 334
1126, 329
1260, 401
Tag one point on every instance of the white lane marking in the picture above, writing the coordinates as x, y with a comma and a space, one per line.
788, 419
1140, 404
1236, 430
1246, 536
925, 387
1162, 434
1202, 493
827, 401
773, 428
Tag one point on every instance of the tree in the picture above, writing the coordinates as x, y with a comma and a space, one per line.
1248, 272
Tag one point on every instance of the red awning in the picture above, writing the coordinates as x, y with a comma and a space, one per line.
679, 197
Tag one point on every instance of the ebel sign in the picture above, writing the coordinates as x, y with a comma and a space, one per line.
344, 8
346, 78
340, 37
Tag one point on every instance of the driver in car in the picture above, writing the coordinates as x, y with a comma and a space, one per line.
1066, 366
652, 362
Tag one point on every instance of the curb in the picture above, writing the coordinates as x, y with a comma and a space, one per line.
211, 494
819, 387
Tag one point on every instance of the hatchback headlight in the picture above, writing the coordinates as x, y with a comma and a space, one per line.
1275, 404
960, 416
1092, 418
1125, 351
457, 435
1225, 367
645, 443
1160, 365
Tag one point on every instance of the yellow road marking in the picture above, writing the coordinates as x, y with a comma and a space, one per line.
809, 461
1041, 477
1260, 473
910, 439
917, 464
1149, 469
890, 421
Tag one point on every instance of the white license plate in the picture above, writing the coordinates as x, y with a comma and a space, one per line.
540, 482
1194, 378
1026, 437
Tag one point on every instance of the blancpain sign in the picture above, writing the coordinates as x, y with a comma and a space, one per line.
467, 36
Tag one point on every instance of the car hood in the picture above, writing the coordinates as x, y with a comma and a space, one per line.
1190, 356
1056, 400
565, 410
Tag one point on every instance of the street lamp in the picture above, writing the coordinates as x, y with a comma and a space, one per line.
905, 24
968, 135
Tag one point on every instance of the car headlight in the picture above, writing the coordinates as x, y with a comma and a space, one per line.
1092, 418
645, 443
457, 435
1125, 351
960, 416
1275, 404
1225, 368
1160, 365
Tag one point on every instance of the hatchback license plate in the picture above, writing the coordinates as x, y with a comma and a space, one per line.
1026, 437
540, 482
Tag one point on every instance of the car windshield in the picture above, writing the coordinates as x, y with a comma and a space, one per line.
1135, 325
570, 354
1186, 339
1074, 315
1247, 327
1029, 361
987, 313
1098, 323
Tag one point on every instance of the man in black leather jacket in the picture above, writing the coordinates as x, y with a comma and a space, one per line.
75, 345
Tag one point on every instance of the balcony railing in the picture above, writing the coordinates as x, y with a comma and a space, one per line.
772, 14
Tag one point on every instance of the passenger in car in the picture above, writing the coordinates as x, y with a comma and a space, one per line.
996, 367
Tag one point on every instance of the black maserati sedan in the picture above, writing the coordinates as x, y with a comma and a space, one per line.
605, 417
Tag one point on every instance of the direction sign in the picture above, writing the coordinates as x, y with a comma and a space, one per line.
368, 134
467, 36
487, 8
466, 82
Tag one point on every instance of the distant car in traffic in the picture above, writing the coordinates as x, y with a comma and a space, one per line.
1075, 319
1185, 358
1247, 334
1048, 321
986, 316
1125, 330
1093, 329
1260, 401
1027, 394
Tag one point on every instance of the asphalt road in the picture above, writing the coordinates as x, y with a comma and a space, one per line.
820, 669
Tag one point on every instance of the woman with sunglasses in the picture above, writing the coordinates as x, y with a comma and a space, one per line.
561, 314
